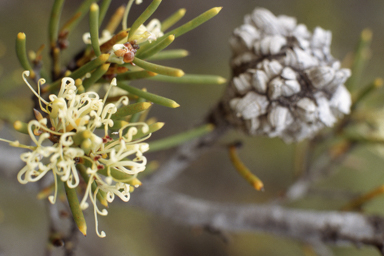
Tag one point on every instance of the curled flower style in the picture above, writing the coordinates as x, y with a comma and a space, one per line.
285, 81
67, 136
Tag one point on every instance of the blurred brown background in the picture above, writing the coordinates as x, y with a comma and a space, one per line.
23, 227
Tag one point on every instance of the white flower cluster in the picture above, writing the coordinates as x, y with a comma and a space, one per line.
286, 83
66, 137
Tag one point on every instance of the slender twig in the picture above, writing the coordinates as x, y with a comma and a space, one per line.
72, 239
331, 227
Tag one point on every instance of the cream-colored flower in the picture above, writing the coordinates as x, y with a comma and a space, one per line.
66, 136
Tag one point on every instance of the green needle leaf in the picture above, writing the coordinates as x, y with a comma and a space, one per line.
180, 138
80, 72
143, 17
94, 28
191, 79
364, 92
152, 128
361, 56
96, 75
168, 71
103, 10
131, 109
169, 22
134, 75
21, 127
114, 21
169, 54
54, 21
77, 213
21, 52
135, 117
195, 22
118, 175
156, 47
77, 17
187, 26
148, 96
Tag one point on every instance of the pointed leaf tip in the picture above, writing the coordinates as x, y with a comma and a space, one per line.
217, 9
179, 73
175, 105
94, 7
221, 80
21, 36
83, 230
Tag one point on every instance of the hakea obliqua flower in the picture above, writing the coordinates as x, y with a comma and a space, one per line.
66, 137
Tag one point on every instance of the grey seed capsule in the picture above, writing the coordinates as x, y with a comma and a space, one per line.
271, 68
320, 76
252, 124
275, 88
266, 21
269, 45
290, 88
242, 82
252, 105
259, 81
321, 38
244, 38
324, 111
341, 77
287, 23
287, 83
341, 101
279, 118
301, 31
299, 59
288, 74
307, 110
303, 59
